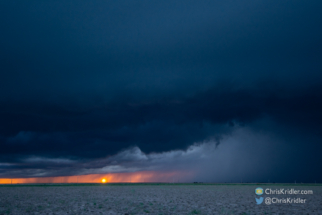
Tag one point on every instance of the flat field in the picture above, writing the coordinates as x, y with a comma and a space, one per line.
152, 199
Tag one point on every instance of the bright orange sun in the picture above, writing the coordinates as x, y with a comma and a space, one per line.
103, 180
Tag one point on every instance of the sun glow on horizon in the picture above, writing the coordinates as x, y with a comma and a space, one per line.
135, 177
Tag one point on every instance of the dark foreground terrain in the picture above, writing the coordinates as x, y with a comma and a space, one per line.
151, 199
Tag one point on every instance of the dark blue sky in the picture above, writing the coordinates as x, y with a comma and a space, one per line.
83, 83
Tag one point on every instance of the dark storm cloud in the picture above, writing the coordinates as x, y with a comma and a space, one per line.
89, 51
244, 155
83, 81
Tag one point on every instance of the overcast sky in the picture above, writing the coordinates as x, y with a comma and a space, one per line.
223, 89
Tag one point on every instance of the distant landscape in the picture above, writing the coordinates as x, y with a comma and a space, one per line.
146, 198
